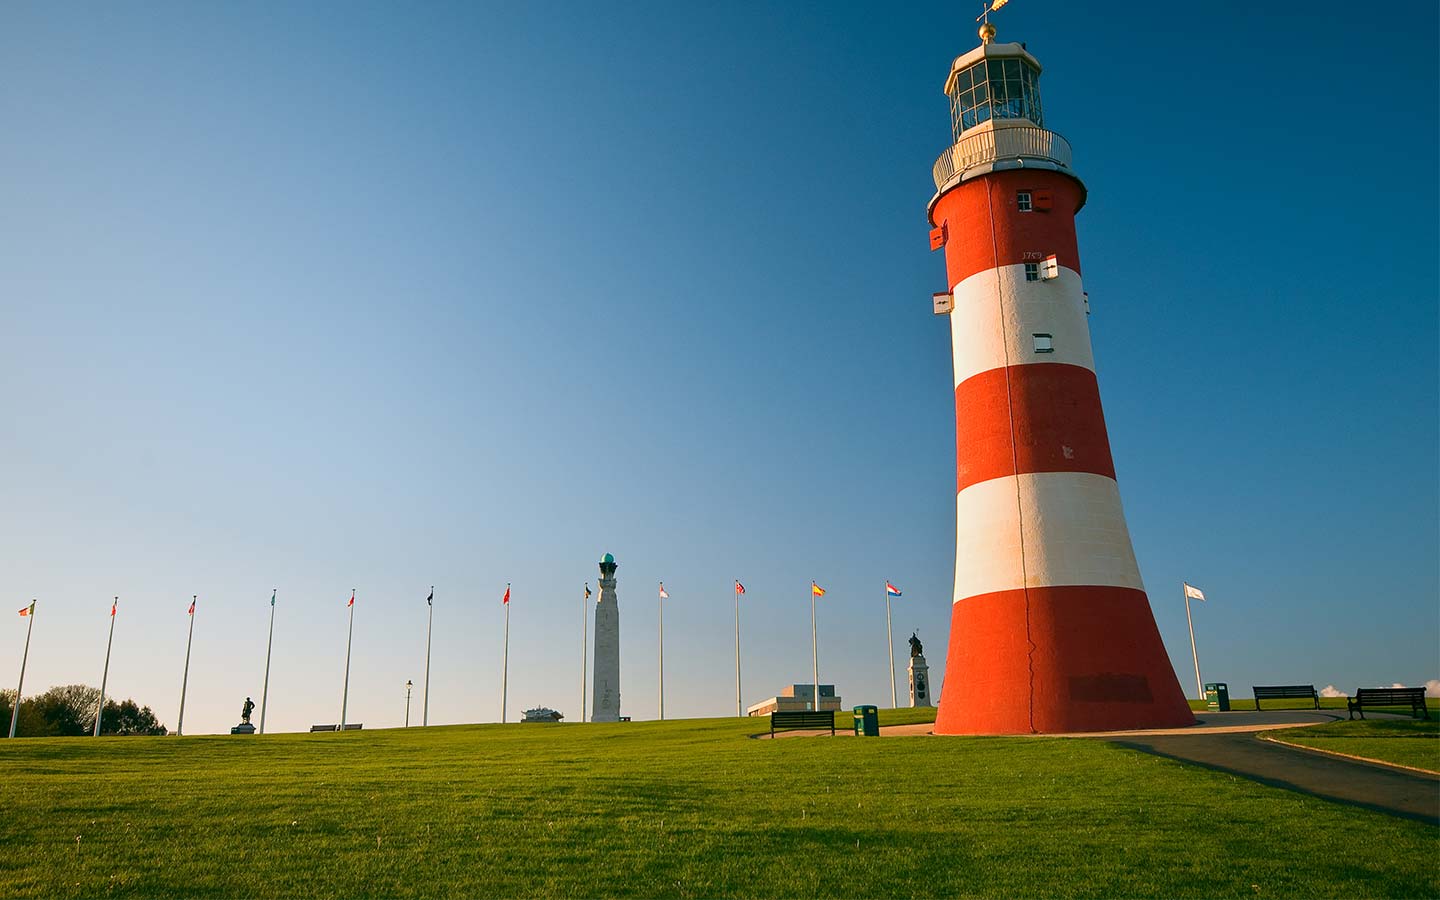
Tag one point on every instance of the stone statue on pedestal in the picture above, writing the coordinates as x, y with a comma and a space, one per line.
245, 727
919, 674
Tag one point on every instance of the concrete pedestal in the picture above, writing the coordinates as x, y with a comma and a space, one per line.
243, 728
920, 682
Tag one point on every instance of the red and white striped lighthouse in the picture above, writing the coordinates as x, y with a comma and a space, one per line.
1050, 628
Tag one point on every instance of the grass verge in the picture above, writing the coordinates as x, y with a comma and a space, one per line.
677, 809
1405, 742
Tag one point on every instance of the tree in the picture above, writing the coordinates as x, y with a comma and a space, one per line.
128, 718
69, 711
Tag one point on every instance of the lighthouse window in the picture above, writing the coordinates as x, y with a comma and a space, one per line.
1032, 271
1044, 343
1022, 201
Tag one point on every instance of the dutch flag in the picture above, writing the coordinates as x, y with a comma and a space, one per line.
891, 589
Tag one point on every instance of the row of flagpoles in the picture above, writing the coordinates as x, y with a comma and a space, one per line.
815, 592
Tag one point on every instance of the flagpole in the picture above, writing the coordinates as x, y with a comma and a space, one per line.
584, 645
814, 648
269, 642
429, 626
662, 656
185, 679
345, 692
105, 676
739, 709
1199, 685
890, 643
24, 658
505, 659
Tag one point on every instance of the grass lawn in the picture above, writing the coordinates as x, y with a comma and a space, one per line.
1408, 742
1238, 704
681, 808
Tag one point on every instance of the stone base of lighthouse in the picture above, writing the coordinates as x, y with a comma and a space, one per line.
1055, 660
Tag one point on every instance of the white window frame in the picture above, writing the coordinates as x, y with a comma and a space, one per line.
1024, 201
1047, 339
1032, 271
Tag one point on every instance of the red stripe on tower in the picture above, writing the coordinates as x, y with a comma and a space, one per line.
1050, 627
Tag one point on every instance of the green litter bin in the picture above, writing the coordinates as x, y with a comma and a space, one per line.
867, 721
1217, 696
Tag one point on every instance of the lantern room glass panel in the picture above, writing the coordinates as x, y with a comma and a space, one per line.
995, 88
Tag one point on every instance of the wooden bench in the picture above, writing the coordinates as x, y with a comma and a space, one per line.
1377, 697
315, 728
1286, 692
801, 718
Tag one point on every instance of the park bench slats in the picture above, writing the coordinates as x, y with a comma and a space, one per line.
801, 718
1380, 697
1285, 692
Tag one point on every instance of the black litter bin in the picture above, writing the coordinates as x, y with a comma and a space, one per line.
867, 721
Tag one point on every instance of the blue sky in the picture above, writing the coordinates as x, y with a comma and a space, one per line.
333, 296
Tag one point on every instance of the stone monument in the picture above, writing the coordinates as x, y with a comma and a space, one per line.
606, 704
919, 674
245, 727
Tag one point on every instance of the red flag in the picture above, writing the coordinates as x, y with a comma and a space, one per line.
112, 607
29, 609
352, 599
507, 595
739, 588
192, 606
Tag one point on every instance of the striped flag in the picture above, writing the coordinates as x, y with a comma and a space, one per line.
816, 590
1193, 592
663, 594
29, 610
891, 589
739, 588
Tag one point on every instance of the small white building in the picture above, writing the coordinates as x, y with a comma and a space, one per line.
797, 697
541, 714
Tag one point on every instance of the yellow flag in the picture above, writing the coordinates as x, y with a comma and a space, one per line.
816, 589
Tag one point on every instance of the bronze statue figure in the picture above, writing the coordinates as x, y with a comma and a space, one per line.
245, 711
916, 648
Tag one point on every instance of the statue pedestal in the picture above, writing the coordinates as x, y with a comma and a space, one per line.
920, 682
243, 728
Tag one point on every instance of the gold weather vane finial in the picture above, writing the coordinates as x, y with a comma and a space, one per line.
987, 31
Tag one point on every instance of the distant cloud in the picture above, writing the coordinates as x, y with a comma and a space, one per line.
1432, 688
1330, 690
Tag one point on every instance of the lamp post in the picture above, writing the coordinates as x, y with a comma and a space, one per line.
408, 686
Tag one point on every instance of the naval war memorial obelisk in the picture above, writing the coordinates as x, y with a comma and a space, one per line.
606, 703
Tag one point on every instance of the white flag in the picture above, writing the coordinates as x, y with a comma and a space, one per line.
1193, 592
663, 594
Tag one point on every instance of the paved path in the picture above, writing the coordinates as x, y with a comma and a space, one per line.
1410, 795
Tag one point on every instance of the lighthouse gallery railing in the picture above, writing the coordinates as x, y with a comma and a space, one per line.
1001, 143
